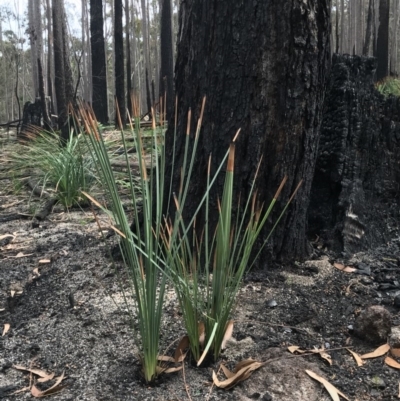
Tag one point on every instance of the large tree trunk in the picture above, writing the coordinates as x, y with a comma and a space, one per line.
263, 66
355, 194
99, 71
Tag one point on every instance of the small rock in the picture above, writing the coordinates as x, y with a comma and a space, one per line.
377, 382
373, 324
272, 303
394, 339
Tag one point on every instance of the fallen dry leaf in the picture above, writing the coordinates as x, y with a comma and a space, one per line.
392, 363
180, 351
44, 376
44, 261
395, 352
12, 293
6, 236
382, 350
55, 388
173, 369
326, 357
242, 371
36, 271
6, 329
165, 358
295, 348
343, 268
21, 255
332, 390
228, 333
357, 357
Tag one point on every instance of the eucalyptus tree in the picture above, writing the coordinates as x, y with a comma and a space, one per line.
63, 75
146, 52
98, 62
119, 61
167, 56
382, 46
263, 67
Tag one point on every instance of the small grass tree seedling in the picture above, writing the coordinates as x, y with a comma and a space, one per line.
207, 269
66, 168
142, 252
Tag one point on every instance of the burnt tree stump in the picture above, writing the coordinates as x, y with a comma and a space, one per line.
31, 115
355, 195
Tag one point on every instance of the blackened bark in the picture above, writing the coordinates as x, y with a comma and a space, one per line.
167, 57
119, 61
383, 41
31, 116
63, 75
355, 200
263, 66
59, 81
99, 71
43, 102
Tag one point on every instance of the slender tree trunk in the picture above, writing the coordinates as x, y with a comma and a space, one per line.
342, 33
367, 42
146, 54
393, 50
42, 94
99, 71
128, 58
167, 62
264, 72
383, 41
134, 49
33, 50
50, 59
63, 75
119, 62
375, 27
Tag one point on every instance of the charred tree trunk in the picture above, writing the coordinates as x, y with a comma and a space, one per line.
99, 71
263, 66
355, 200
167, 55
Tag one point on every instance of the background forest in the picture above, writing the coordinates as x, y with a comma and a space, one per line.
134, 57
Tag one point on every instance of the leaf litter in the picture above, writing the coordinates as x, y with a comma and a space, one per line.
43, 378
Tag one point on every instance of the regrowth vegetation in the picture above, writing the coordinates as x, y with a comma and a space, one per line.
64, 169
206, 264
389, 86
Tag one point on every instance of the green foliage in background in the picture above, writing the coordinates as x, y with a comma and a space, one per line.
389, 86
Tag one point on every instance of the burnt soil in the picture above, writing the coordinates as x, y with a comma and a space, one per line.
67, 315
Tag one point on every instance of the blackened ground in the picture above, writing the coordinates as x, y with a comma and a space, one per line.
71, 318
